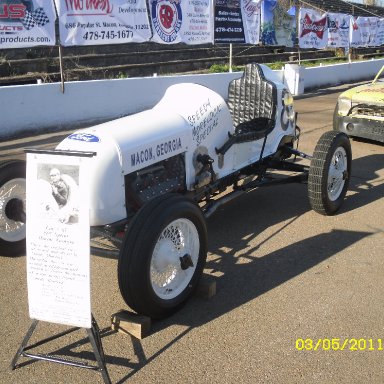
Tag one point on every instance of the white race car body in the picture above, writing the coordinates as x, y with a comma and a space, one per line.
189, 119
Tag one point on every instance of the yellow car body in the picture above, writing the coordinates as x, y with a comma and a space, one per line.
359, 111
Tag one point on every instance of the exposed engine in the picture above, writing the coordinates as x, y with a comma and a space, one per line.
155, 180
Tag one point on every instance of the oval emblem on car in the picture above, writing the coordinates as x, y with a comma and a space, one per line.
88, 137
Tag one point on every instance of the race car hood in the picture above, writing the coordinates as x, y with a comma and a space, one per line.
186, 116
366, 94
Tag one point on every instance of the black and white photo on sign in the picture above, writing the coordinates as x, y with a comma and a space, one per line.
58, 197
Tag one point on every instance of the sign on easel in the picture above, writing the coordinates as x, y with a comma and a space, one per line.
58, 245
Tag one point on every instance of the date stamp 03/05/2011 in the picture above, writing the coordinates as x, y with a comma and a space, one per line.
340, 344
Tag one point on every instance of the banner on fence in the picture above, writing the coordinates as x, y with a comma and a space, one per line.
197, 27
102, 22
228, 22
237, 21
251, 12
313, 29
363, 31
278, 25
27, 23
186, 21
338, 30
379, 33
58, 244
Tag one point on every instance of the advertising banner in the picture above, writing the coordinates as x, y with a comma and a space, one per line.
313, 29
229, 22
103, 22
186, 21
363, 31
379, 40
278, 24
251, 11
27, 23
338, 30
237, 21
197, 27
58, 240
373, 29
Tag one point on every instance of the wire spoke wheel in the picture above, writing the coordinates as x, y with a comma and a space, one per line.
162, 256
338, 168
174, 259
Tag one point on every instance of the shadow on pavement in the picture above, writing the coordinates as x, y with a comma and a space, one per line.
239, 224
365, 184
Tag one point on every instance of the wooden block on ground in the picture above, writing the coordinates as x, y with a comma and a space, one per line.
207, 287
131, 323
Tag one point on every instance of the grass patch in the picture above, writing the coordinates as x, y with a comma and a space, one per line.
279, 65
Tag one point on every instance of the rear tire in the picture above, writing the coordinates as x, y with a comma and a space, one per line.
162, 256
12, 208
329, 172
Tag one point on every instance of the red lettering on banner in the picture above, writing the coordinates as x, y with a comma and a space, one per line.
251, 8
317, 27
12, 11
89, 5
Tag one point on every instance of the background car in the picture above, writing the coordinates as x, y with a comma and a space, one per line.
359, 111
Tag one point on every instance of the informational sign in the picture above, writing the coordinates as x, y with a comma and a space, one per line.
27, 23
313, 29
102, 22
58, 245
363, 31
186, 21
278, 24
338, 30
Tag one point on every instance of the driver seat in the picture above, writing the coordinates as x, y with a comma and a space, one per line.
252, 102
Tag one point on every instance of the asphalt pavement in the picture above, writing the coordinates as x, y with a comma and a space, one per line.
299, 295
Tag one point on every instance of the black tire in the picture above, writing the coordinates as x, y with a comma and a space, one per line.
12, 208
329, 172
146, 255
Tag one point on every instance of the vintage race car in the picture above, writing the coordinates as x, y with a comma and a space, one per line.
359, 111
157, 175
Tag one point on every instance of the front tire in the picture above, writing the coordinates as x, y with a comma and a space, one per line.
12, 208
162, 256
330, 172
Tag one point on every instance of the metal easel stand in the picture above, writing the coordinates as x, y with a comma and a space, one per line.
94, 338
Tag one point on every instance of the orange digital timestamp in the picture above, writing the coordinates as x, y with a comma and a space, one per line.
339, 344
